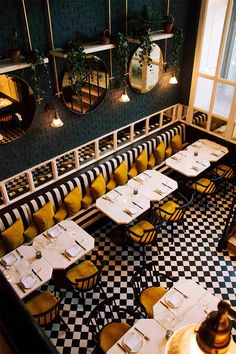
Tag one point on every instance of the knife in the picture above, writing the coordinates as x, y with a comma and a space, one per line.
123, 349
19, 254
80, 245
63, 228
137, 205
117, 192
166, 306
184, 295
166, 185
144, 336
65, 255
21, 287
38, 276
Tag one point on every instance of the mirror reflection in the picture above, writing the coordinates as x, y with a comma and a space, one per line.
144, 77
17, 107
93, 87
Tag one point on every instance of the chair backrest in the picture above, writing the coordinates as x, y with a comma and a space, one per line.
91, 281
106, 312
48, 316
147, 276
148, 237
181, 211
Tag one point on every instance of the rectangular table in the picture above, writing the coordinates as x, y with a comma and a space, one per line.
193, 308
70, 237
196, 158
34, 272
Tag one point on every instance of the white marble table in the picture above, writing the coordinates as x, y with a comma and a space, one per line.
193, 308
121, 205
71, 237
153, 185
196, 158
38, 271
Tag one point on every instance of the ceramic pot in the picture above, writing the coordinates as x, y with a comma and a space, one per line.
14, 54
105, 37
167, 27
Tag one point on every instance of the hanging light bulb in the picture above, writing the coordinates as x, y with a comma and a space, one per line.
124, 97
57, 122
173, 80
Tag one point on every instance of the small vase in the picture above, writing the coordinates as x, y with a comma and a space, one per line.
14, 54
167, 27
105, 37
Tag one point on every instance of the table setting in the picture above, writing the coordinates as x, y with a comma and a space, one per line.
63, 244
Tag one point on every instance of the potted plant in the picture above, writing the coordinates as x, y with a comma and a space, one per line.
167, 23
121, 53
38, 67
14, 52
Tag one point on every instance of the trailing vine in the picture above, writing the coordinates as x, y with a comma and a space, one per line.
121, 54
177, 47
38, 68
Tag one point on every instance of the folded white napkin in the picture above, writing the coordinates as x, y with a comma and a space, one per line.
195, 168
112, 196
218, 152
142, 177
132, 342
28, 281
162, 189
54, 232
133, 209
174, 299
73, 251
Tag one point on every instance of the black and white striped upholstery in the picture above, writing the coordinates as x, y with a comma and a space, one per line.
86, 217
199, 117
10, 217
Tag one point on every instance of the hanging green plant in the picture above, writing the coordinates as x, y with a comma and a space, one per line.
38, 68
146, 46
121, 53
177, 47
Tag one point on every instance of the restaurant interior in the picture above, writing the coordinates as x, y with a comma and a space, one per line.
118, 176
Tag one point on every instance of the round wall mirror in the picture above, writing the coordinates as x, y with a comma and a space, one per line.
17, 107
92, 87
144, 77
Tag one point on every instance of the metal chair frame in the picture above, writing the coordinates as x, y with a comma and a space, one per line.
145, 277
108, 311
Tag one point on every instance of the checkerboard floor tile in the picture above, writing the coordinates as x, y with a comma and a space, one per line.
192, 255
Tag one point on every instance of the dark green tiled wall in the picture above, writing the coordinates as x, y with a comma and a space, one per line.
41, 142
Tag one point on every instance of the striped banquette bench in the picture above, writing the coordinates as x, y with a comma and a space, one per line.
86, 217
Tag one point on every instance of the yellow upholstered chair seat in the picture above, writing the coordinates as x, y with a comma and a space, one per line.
139, 229
41, 303
111, 333
221, 169
78, 274
167, 211
204, 185
150, 296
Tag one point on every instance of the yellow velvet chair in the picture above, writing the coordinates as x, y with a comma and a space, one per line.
173, 212
107, 323
85, 277
44, 307
143, 233
226, 172
149, 285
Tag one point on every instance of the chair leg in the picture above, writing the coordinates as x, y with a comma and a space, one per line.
63, 321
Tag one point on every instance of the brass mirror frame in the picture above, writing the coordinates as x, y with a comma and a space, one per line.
89, 97
144, 69
17, 110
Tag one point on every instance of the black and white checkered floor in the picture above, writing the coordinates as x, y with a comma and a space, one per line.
192, 255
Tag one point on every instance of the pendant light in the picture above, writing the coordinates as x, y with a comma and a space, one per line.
57, 122
173, 80
124, 97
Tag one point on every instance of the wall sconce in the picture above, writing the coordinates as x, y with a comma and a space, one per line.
124, 97
57, 122
211, 337
173, 80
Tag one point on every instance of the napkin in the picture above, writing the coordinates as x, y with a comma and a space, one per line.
218, 152
112, 196
73, 251
28, 281
54, 232
195, 168
162, 190
141, 178
133, 209
174, 299
132, 342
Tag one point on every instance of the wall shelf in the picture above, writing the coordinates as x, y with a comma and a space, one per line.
92, 47
6, 65
155, 36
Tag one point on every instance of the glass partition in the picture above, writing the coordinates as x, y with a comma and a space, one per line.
139, 129
65, 163
42, 174
123, 136
86, 153
154, 122
17, 186
106, 144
